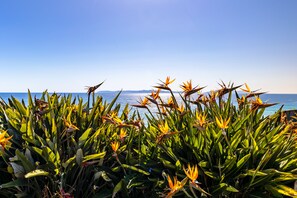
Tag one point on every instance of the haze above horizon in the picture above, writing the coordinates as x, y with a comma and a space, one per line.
64, 46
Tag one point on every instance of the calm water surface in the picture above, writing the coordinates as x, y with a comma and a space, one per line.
288, 101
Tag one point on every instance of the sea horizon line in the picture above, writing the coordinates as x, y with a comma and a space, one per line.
113, 91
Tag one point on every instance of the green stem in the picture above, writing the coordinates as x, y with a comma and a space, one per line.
226, 138
120, 164
187, 194
88, 107
139, 142
173, 97
154, 152
193, 191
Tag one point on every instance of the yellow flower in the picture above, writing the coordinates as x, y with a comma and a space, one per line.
115, 146
201, 118
192, 173
123, 134
117, 120
226, 89
69, 126
163, 109
74, 108
166, 132
170, 102
241, 100
4, 141
187, 86
204, 99
258, 101
174, 186
155, 95
223, 124
247, 88
164, 128
142, 103
168, 81
181, 108
114, 119
164, 85
189, 89
259, 104
212, 96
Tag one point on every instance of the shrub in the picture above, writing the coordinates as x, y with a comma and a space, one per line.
196, 145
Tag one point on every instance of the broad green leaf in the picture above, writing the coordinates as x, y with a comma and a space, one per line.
50, 157
54, 127
18, 170
134, 184
69, 161
210, 174
238, 124
203, 164
256, 173
94, 156
167, 163
35, 173
29, 128
254, 145
260, 181
285, 190
15, 183
260, 128
82, 139
23, 126
136, 169
281, 190
291, 163
19, 106
226, 187
105, 176
79, 156
231, 189
243, 160
229, 164
112, 103
274, 191
178, 164
28, 166
30, 101
37, 150
220, 187
143, 149
117, 188
102, 174
285, 178
283, 132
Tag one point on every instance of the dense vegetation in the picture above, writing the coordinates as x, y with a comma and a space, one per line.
195, 145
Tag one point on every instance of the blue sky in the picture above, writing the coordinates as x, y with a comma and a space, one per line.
65, 45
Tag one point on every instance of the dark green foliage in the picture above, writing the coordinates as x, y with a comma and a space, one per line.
62, 147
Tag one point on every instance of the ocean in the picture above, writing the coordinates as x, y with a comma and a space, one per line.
288, 101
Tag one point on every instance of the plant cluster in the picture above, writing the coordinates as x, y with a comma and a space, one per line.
195, 145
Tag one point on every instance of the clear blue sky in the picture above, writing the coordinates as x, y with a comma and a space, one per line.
64, 45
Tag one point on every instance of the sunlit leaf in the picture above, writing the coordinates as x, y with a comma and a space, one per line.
35, 173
